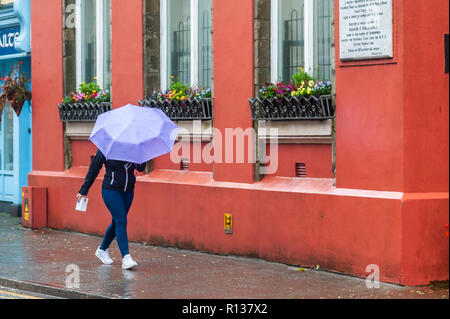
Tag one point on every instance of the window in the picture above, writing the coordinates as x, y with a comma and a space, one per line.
7, 142
301, 37
93, 42
186, 45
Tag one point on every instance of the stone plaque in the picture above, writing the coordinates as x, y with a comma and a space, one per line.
365, 29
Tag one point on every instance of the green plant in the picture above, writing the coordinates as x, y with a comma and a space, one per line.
88, 92
302, 77
302, 84
179, 92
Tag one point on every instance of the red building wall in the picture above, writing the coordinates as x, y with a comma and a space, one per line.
386, 208
426, 98
233, 78
46, 67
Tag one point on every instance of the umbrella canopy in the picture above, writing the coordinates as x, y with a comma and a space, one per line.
134, 134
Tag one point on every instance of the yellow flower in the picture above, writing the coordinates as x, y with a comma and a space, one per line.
183, 97
311, 83
308, 91
293, 93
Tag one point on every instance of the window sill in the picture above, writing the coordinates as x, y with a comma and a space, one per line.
79, 130
296, 132
195, 130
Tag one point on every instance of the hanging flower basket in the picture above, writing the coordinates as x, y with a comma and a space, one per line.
15, 89
293, 108
183, 110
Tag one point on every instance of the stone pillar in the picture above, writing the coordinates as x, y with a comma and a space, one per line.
152, 42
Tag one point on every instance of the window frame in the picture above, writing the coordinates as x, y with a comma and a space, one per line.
275, 7
194, 40
100, 49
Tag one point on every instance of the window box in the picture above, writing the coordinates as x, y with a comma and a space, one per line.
293, 108
82, 112
187, 110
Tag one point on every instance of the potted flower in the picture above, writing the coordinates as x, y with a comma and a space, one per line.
86, 104
15, 89
305, 98
182, 103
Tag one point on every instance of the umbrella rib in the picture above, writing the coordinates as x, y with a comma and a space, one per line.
122, 132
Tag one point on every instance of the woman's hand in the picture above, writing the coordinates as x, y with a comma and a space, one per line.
79, 196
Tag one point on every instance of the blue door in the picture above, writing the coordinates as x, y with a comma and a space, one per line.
15, 143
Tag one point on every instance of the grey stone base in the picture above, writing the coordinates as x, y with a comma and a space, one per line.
15, 210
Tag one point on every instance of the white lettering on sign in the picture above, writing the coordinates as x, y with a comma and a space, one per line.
8, 40
365, 29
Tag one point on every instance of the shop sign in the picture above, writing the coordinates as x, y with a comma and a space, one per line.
8, 39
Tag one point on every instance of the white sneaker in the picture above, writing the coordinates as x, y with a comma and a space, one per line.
128, 262
103, 255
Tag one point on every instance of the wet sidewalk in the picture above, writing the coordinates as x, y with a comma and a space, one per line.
48, 258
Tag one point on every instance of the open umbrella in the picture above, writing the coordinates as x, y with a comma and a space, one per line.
134, 134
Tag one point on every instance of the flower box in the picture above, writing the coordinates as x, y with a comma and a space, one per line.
82, 112
293, 108
183, 110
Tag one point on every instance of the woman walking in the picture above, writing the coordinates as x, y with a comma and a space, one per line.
117, 193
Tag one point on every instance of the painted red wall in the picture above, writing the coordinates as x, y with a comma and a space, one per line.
296, 221
317, 159
196, 161
392, 119
82, 152
369, 118
233, 78
426, 97
425, 253
46, 67
127, 52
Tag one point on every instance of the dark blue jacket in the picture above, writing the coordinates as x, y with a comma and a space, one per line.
119, 175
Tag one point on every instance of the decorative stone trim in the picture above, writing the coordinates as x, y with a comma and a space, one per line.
195, 130
296, 132
79, 130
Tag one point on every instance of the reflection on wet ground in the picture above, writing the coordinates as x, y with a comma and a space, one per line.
43, 256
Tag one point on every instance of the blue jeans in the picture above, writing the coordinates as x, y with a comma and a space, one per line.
119, 204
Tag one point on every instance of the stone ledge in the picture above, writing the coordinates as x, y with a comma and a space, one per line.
79, 130
296, 132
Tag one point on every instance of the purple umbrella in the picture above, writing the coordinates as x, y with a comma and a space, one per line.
134, 134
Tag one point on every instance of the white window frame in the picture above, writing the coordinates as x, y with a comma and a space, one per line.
100, 31
164, 48
308, 36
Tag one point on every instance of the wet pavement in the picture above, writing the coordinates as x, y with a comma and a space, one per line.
51, 258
